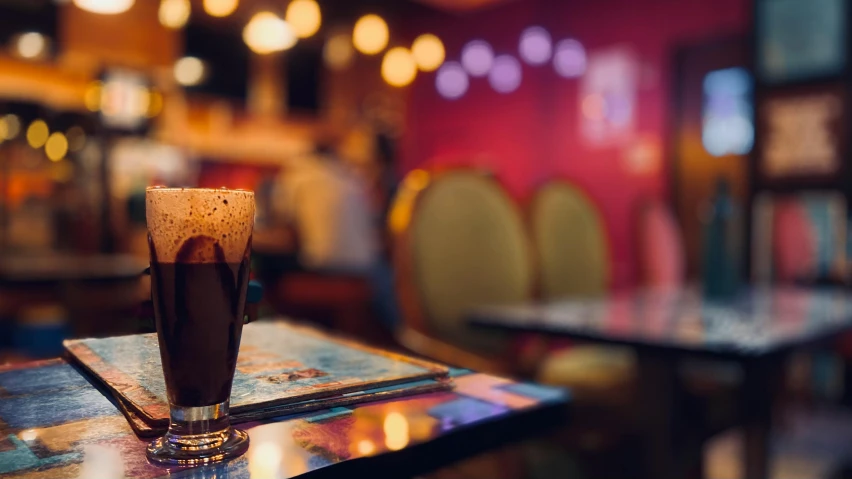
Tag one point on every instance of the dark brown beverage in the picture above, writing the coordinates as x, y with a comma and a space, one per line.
199, 308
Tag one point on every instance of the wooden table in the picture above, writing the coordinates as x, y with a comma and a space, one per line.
757, 330
55, 425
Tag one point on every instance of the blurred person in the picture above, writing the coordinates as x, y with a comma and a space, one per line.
328, 208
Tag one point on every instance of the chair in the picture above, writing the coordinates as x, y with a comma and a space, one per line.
660, 251
573, 260
459, 242
570, 242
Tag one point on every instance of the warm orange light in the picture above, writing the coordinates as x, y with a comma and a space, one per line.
104, 7
174, 13
398, 67
10, 126
189, 71
396, 431
267, 33
366, 447
220, 8
371, 34
37, 133
155, 104
31, 45
92, 97
56, 146
428, 51
304, 17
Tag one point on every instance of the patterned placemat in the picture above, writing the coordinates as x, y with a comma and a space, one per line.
281, 369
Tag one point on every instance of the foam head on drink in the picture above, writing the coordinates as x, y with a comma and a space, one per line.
200, 242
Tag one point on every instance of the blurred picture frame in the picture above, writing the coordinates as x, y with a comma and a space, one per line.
800, 40
802, 135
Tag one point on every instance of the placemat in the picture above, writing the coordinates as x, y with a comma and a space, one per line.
282, 368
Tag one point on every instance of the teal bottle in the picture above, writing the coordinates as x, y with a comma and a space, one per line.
722, 246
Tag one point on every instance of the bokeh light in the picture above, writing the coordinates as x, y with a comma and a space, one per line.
452, 81
11, 126
267, 33
37, 133
189, 71
505, 75
477, 57
92, 96
304, 17
428, 51
338, 52
370, 35
366, 447
220, 8
569, 60
155, 104
174, 13
104, 7
56, 146
398, 67
76, 138
536, 46
396, 431
31, 45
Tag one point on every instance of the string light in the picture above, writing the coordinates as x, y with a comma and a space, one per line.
452, 81
220, 8
477, 57
304, 17
31, 45
536, 46
370, 35
56, 146
174, 13
37, 133
189, 71
398, 67
428, 51
11, 126
92, 96
104, 7
267, 33
338, 52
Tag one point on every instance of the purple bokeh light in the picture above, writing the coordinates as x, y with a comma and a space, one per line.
477, 57
536, 46
451, 81
505, 75
569, 60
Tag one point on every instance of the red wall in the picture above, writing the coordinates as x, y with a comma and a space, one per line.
532, 134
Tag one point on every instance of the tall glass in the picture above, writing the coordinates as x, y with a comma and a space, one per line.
200, 242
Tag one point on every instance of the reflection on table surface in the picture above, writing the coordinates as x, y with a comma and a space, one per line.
54, 425
759, 320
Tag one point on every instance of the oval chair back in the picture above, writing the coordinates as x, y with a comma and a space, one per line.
460, 243
570, 243
660, 249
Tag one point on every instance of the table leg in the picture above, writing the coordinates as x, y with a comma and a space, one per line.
763, 379
659, 410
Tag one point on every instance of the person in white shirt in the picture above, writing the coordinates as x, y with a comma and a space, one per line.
328, 206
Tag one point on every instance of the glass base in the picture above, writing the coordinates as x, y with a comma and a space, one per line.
198, 435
